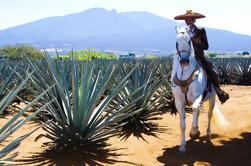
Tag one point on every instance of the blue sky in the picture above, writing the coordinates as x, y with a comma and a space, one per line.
232, 15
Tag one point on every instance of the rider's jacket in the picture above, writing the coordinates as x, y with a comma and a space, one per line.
199, 33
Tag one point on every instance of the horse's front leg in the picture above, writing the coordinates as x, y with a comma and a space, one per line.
180, 105
210, 114
194, 132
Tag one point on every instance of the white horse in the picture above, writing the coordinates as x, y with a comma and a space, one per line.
188, 85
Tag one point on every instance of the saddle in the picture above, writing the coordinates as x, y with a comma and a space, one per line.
184, 84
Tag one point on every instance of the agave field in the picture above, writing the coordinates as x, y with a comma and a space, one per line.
233, 71
81, 104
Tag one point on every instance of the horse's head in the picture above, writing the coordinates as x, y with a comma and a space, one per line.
183, 46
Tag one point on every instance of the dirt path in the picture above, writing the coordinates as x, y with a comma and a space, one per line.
230, 145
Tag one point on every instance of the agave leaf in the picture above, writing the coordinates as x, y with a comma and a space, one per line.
14, 123
9, 159
115, 91
12, 93
96, 122
65, 98
14, 144
75, 95
7, 80
93, 101
20, 113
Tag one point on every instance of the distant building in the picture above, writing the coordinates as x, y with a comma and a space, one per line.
129, 55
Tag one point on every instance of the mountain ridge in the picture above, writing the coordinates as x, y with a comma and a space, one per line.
103, 29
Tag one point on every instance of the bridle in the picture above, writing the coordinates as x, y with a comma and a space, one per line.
185, 51
184, 84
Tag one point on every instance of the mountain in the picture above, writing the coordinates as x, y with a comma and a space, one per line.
102, 29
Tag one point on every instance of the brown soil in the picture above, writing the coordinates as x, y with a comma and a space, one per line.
230, 145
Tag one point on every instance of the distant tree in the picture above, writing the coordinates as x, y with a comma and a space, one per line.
245, 53
20, 52
85, 55
212, 54
151, 57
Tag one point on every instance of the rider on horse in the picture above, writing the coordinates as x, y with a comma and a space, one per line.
199, 40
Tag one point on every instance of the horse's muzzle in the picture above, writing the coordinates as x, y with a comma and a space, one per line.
184, 61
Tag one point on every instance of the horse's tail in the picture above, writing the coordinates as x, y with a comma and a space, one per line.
218, 117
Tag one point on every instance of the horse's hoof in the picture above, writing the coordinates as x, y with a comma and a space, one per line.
194, 136
182, 152
208, 137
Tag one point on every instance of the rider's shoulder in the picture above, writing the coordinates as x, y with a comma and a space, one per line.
201, 29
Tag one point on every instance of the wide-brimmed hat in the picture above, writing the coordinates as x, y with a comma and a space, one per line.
189, 15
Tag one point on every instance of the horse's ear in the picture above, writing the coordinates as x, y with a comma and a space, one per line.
188, 29
176, 29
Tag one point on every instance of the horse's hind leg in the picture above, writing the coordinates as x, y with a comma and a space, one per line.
211, 104
194, 132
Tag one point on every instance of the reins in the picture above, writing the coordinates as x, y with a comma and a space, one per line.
180, 51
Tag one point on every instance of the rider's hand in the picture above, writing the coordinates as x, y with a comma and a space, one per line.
196, 40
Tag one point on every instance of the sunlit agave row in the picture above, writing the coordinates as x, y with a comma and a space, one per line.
86, 103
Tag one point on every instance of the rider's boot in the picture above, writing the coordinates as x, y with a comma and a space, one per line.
213, 76
223, 96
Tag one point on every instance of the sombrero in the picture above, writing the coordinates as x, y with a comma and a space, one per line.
189, 14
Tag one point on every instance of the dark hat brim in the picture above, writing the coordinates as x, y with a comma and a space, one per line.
189, 16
